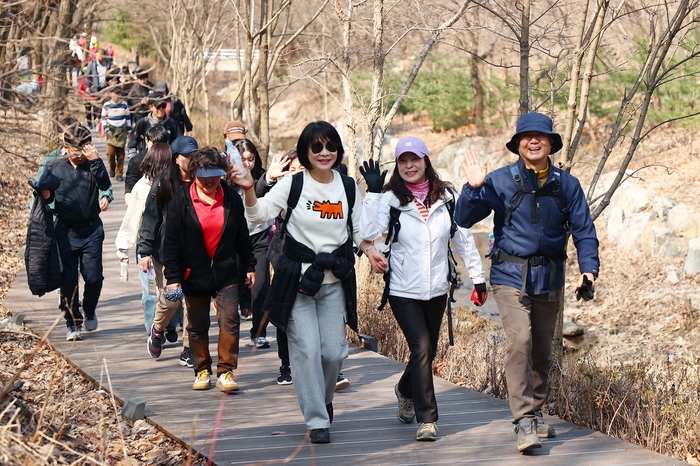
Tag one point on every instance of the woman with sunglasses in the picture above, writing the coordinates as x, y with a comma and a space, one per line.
418, 284
314, 289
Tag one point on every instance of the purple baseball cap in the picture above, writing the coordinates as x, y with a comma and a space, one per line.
411, 144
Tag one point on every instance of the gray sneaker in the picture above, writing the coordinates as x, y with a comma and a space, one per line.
406, 413
526, 428
427, 432
543, 430
90, 323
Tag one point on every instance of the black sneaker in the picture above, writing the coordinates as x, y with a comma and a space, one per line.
120, 178
111, 173
341, 382
320, 435
186, 358
155, 343
171, 335
285, 376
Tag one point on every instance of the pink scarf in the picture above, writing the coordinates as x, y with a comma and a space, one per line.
420, 191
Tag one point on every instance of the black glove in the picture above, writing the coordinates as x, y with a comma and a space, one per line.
585, 291
479, 294
370, 171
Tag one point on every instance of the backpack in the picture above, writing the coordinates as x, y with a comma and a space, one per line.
392, 236
277, 242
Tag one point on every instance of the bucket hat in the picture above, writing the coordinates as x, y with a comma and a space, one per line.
534, 122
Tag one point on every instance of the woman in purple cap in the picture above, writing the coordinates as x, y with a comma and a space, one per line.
205, 233
419, 204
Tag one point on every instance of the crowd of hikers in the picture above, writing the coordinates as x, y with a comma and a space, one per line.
279, 245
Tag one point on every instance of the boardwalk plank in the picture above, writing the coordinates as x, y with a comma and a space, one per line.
262, 423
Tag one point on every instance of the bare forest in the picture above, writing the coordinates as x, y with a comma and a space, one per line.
619, 78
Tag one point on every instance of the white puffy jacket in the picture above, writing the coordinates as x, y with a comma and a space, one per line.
418, 262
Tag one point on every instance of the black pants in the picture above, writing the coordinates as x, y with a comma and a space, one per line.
80, 248
255, 298
420, 322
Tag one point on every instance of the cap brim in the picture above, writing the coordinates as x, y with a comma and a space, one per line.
209, 172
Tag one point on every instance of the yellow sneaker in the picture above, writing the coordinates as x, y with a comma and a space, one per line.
203, 381
226, 383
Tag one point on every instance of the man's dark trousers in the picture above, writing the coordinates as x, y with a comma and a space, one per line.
80, 247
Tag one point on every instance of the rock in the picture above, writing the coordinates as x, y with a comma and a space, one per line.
632, 198
684, 221
660, 242
572, 329
571, 344
672, 277
634, 225
615, 224
661, 206
692, 260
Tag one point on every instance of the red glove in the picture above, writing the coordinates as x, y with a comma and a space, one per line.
479, 294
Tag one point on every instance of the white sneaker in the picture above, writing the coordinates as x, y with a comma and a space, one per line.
261, 342
74, 334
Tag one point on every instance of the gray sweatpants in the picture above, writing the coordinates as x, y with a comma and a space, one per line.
317, 348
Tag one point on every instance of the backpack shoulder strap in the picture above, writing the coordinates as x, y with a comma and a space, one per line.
394, 226
349, 185
451, 209
520, 193
293, 198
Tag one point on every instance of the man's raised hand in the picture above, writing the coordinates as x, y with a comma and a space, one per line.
473, 170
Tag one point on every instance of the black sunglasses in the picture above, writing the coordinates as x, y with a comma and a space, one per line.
161, 106
317, 147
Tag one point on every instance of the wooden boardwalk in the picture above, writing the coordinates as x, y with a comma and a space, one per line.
262, 423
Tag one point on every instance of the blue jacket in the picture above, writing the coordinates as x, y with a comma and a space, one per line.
521, 237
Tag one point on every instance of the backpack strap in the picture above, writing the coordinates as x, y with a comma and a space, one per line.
293, 198
520, 193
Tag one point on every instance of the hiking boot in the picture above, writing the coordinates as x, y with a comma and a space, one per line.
111, 173
320, 435
155, 343
171, 335
543, 429
261, 342
406, 413
225, 382
285, 376
186, 358
74, 333
120, 178
526, 428
90, 323
202, 381
341, 383
427, 432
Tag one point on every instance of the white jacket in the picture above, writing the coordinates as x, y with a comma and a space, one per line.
418, 262
128, 233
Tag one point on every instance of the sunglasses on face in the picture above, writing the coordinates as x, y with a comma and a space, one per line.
160, 106
317, 147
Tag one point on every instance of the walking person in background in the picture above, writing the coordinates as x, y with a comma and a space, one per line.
156, 161
154, 135
76, 182
420, 202
175, 109
138, 94
255, 298
150, 246
95, 83
205, 231
116, 123
535, 205
156, 117
314, 288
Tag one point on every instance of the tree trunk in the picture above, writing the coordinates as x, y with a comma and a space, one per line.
263, 91
525, 102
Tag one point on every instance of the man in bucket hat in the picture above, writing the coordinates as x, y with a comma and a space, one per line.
536, 205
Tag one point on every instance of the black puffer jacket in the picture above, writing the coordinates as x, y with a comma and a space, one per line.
288, 279
184, 252
41, 253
